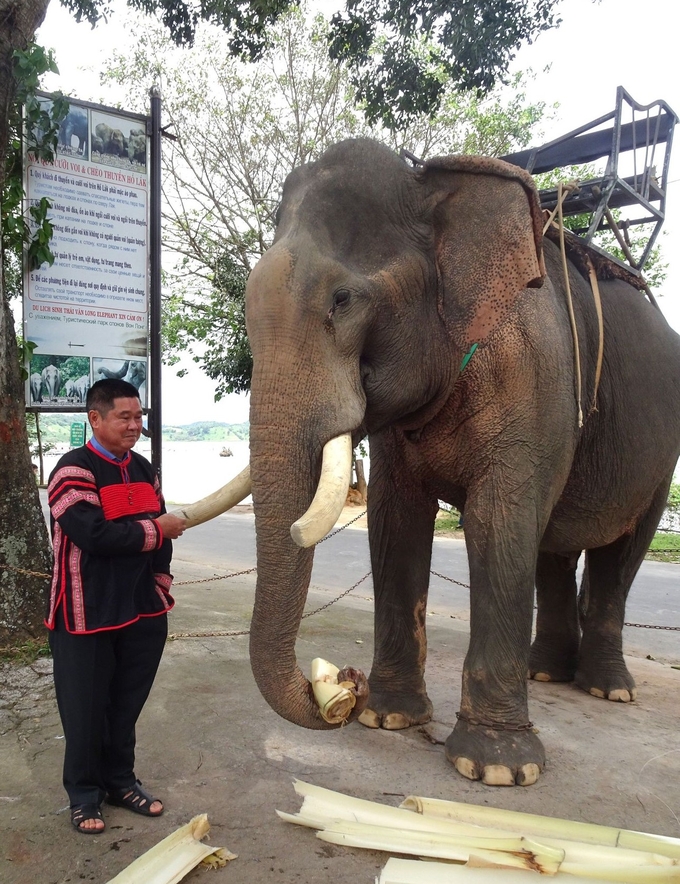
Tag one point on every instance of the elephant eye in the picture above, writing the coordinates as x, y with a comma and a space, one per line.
340, 298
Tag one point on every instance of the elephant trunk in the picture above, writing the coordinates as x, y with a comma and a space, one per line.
301, 398
283, 574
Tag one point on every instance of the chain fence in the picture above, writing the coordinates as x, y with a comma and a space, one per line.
231, 633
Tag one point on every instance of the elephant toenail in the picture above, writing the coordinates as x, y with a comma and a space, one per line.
395, 721
528, 774
620, 696
498, 775
369, 718
467, 768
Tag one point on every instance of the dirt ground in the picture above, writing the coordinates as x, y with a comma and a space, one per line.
207, 742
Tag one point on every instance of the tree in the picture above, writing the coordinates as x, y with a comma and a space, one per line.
24, 547
241, 129
403, 55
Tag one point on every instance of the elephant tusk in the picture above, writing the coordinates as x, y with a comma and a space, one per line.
218, 502
324, 510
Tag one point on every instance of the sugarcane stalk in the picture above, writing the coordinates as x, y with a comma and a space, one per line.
175, 856
543, 826
335, 701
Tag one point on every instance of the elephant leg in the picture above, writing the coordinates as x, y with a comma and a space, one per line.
609, 574
493, 739
554, 652
401, 524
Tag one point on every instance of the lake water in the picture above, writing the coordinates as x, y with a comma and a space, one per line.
191, 470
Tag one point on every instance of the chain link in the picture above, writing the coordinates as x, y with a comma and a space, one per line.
649, 626
211, 579
450, 579
176, 635
25, 571
337, 599
342, 527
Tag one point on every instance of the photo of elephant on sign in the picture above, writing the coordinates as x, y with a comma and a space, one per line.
118, 141
73, 133
381, 280
132, 371
58, 381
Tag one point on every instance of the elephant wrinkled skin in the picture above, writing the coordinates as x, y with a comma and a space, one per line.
380, 279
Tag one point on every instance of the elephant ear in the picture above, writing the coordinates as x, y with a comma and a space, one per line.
488, 231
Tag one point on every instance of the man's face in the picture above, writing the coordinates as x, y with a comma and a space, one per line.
120, 429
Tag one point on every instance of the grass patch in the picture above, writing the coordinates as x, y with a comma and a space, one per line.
664, 547
447, 523
27, 652
665, 541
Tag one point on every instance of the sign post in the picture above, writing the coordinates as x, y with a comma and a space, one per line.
156, 421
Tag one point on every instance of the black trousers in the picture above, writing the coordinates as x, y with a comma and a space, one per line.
102, 681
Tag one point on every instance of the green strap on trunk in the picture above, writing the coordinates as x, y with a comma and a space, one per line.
468, 356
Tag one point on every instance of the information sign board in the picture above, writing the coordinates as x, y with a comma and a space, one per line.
88, 313
77, 435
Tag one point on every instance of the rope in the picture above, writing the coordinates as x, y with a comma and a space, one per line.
570, 303
600, 328
563, 191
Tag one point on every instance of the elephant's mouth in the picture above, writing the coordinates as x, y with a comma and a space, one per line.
323, 512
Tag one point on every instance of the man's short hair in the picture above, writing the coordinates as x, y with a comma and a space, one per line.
100, 396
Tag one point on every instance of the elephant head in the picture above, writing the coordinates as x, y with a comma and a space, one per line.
380, 278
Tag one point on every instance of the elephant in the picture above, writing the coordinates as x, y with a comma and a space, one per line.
131, 371
109, 141
110, 373
74, 125
136, 146
423, 307
70, 389
36, 387
51, 378
82, 385
136, 374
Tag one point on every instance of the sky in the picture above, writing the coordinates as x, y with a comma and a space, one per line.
598, 46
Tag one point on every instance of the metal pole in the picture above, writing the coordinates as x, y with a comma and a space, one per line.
155, 346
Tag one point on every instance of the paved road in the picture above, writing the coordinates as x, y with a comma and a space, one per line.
228, 544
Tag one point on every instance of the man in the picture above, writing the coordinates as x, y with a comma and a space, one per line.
108, 603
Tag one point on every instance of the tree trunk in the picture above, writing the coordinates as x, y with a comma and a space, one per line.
41, 470
24, 542
361, 478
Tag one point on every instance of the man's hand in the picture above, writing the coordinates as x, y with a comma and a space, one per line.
171, 526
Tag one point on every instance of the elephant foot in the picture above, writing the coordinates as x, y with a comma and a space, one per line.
496, 757
603, 673
553, 659
611, 682
396, 711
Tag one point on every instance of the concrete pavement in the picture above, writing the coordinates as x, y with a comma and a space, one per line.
207, 742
